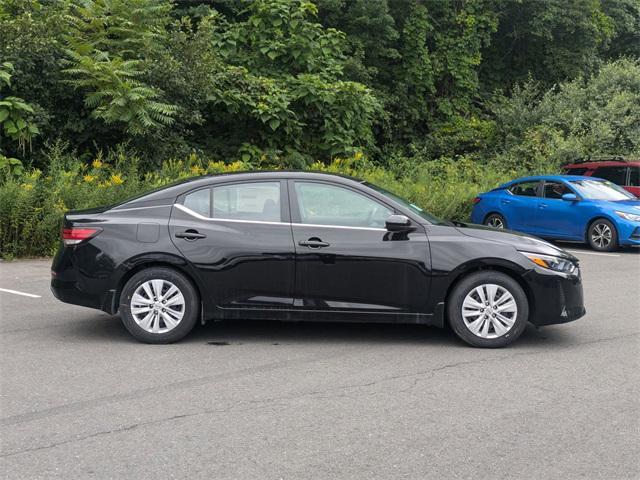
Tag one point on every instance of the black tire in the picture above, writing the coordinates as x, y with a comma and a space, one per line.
465, 287
190, 308
597, 235
494, 220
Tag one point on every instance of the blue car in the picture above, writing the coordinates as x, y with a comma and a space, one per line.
563, 207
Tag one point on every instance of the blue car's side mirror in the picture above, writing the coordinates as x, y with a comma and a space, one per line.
570, 197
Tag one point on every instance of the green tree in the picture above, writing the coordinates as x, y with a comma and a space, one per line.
551, 40
109, 47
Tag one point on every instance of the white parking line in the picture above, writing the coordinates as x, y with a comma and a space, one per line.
595, 253
15, 292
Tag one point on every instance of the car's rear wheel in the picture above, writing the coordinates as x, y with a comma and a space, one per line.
602, 235
159, 305
495, 220
488, 309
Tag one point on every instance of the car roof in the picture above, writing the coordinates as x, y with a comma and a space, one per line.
602, 163
534, 178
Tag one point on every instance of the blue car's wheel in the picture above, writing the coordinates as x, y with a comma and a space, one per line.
495, 220
602, 235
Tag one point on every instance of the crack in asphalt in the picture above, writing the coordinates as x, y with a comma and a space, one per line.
262, 403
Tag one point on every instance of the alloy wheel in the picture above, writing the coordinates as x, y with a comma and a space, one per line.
157, 306
489, 311
496, 222
601, 235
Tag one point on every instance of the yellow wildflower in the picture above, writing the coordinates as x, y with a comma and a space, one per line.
357, 156
116, 179
197, 170
97, 163
89, 178
27, 186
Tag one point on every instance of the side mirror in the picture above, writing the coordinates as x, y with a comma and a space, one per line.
570, 197
398, 223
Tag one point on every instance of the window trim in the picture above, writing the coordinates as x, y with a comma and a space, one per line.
296, 217
285, 215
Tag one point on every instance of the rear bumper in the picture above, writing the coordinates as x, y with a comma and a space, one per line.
71, 284
70, 292
558, 298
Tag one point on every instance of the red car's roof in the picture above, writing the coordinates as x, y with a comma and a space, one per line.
605, 163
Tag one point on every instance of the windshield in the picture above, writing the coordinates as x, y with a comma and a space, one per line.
414, 208
600, 190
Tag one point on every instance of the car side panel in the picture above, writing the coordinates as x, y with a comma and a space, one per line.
92, 272
521, 213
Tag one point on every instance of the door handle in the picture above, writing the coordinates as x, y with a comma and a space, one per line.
543, 205
313, 243
190, 235
504, 202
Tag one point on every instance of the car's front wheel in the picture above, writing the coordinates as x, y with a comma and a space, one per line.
159, 305
602, 235
488, 309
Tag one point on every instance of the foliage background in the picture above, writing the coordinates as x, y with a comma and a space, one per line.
435, 99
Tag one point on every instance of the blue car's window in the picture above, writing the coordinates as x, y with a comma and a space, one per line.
600, 190
555, 190
525, 189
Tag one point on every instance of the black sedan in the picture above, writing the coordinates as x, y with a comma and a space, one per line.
306, 246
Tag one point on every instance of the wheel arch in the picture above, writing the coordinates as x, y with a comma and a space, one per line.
600, 216
138, 264
506, 267
494, 212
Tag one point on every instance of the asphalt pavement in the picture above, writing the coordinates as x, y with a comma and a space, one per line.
80, 398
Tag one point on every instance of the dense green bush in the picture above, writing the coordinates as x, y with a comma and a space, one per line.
32, 204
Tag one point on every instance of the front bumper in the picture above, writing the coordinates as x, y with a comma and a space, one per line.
557, 298
629, 233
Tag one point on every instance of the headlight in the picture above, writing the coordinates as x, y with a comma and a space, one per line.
629, 216
558, 264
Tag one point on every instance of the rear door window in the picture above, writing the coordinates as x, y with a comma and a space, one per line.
199, 201
634, 180
258, 201
525, 189
617, 175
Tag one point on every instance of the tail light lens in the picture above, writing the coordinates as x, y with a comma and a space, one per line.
75, 235
476, 200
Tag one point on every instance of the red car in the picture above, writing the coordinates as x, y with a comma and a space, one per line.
625, 173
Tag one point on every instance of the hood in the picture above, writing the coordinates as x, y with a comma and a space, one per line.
630, 206
519, 241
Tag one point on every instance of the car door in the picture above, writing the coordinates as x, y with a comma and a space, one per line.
559, 218
346, 260
238, 236
519, 206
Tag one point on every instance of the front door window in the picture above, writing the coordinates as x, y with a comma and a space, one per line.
322, 204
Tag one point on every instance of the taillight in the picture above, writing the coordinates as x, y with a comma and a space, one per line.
476, 200
75, 235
